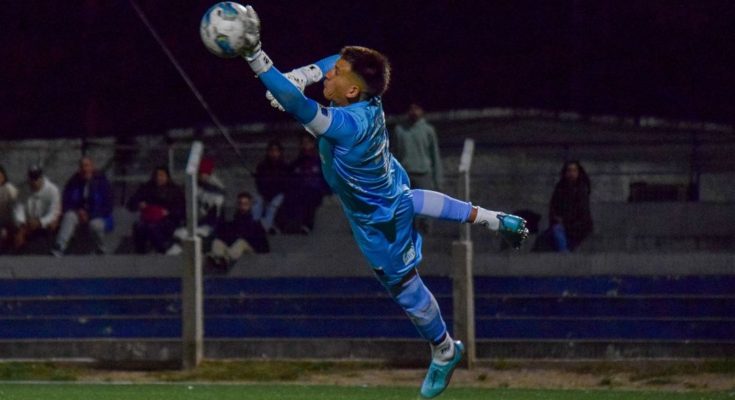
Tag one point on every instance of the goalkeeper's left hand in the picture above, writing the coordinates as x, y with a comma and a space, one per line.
301, 78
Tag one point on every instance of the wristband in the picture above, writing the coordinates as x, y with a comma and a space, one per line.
259, 62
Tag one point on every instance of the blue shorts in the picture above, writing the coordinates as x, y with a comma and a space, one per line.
393, 248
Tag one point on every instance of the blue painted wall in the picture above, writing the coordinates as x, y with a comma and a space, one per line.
690, 308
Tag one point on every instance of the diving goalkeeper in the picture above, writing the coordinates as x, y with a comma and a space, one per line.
372, 186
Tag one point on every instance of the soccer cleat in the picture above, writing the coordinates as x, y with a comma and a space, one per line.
513, 229
437, 379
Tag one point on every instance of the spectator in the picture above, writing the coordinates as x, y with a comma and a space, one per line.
271, 180
37, 211
307, 187
87, 200
570, 219
244, 234
160, 203
417, 149
8, 195
210, 200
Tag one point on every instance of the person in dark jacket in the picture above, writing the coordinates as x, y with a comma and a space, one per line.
87, 200
161, 207
271, 180
307, 188
242, 235
570, 218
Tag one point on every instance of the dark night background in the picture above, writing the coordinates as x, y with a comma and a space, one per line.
90, 68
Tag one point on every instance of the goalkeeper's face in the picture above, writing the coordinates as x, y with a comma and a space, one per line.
342, 85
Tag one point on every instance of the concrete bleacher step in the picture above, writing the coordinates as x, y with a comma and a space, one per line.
631, 227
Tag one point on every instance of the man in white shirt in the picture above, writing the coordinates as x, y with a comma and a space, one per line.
37, 210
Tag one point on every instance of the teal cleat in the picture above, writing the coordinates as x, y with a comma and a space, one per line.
437, 379
513, 229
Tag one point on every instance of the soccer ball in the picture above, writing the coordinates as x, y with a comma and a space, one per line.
222, 29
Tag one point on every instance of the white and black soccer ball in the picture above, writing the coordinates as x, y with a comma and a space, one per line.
222, 29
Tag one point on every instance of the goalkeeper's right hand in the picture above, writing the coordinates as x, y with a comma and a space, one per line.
301, 78
251, 34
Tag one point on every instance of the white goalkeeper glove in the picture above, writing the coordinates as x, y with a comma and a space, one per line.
301, 78
251, 32
251, 50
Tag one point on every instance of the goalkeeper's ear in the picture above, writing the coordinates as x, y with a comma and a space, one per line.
354, 93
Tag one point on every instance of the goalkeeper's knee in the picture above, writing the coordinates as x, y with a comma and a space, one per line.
421, 306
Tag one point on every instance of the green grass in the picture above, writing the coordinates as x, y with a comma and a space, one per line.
184, 391
13, 371
260, 371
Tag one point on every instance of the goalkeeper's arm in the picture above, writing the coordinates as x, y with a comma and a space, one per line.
305, 76
313, 73
286, 93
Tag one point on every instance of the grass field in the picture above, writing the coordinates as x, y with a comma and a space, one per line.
194, 391
359, 380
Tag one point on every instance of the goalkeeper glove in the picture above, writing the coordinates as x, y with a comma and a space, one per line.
251, 32
251, 50
301, 78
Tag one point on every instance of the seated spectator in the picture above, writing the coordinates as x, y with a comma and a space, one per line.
37, 211
8, 195
87, 201
242, 235
210, 200
570, 219
307, 188
161, 207
271, 180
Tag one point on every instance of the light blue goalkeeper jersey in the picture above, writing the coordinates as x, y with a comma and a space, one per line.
357, 164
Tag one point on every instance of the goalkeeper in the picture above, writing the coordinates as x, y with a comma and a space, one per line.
371, 185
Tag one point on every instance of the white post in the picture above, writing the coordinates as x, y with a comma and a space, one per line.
192, 311
463, 291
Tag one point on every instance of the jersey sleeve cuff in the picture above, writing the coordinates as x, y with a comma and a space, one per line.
321, 121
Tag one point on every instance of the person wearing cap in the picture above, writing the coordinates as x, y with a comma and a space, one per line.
87, 200
37, 210
210, 201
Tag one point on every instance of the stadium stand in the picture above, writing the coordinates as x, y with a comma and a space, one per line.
655, 280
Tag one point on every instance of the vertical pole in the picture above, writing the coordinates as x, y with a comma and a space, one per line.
464, 298
463, 291
192, 321
192, 311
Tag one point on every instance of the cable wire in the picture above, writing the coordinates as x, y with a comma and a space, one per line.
188, 81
